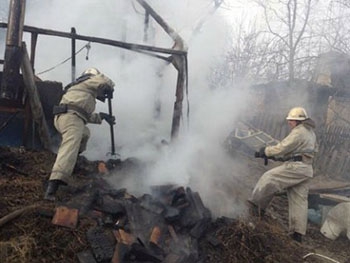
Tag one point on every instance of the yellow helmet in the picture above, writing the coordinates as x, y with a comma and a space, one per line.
92, 71
297, 114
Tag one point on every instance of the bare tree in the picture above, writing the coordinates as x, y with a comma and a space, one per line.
344, 3
334, 29
249, 58
287, 21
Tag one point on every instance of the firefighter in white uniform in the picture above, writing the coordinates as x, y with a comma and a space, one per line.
297, 150
76, 109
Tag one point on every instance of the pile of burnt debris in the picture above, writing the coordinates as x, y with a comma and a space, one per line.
163, 226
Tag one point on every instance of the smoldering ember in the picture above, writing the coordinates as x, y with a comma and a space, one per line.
162, 131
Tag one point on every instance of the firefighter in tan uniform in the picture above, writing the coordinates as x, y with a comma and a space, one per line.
76, 109
297, 151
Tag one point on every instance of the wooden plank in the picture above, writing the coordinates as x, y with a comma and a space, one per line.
104, 41
34, 100
336, 198
323, 185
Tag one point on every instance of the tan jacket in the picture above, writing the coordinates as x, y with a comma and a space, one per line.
300, 141
84, 96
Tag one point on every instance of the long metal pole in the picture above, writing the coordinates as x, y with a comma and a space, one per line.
73, 32
111, 125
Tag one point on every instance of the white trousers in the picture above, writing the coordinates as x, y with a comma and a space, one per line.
74, 139
292, 177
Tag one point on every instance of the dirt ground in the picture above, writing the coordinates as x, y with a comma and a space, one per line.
31, 237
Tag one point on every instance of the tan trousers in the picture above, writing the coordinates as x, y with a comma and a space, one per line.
292, 177
74, 139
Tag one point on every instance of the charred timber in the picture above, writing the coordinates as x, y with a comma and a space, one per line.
179, 43
10, 83
105, 41
34, 100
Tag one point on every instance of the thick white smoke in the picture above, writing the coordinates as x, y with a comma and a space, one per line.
197, 158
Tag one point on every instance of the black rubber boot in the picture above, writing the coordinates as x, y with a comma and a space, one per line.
52, 188
297, 237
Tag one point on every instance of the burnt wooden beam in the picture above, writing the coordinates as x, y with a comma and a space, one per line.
179, 95
195, 212
151, 205
34, 100
33, 42
180, 63
171, 214
110, 206
179, 43
73, 31
142, 253
102, 244
200, 228
115, 43
10, 83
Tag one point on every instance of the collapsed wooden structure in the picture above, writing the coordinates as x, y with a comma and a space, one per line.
16, 95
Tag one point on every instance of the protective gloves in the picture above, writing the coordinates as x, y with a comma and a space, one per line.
260, 153
107, 118
108, 92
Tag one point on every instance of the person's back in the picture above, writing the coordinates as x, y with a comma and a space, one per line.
76, 109
83, 94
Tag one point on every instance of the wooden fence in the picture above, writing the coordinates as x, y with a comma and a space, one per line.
333, 157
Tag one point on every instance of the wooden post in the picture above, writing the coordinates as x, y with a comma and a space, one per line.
179, 43
73, 32
34, 100
179, 62
10, 85
34, 40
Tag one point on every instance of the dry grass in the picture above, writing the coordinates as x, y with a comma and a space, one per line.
17, 250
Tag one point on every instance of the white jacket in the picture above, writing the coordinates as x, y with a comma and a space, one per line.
83, 95
300, 141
